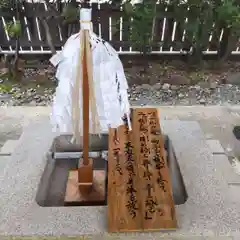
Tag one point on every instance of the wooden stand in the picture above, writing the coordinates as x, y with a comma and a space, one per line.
80, 185
85, 177
96, 195
85, 171
139, 187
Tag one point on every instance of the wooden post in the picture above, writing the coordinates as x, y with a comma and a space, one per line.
85, 94
85, 171
82, 188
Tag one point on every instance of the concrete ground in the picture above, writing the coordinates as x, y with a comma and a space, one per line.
216, 121
13, 119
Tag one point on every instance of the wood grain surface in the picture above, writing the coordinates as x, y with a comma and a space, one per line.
139, 187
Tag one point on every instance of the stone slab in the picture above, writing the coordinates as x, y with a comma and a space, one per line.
3, 162
236, 165
215, 146
8, 147
234, 193
229, 172
208, 211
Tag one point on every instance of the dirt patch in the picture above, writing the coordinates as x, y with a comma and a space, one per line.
151, 81
142, 71
179, 73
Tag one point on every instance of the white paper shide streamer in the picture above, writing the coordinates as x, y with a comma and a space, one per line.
109, 101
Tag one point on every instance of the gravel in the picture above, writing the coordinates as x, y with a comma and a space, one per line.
158, 94
162, 92
28, 97
167, 94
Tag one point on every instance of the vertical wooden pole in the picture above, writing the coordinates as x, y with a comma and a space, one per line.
85, 170
85, 94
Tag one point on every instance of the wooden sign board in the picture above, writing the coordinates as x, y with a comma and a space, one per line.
139, 187
154, 183
123, 205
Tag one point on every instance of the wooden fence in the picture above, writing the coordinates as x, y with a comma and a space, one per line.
169, 37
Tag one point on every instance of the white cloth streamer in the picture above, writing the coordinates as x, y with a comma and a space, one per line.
110, 84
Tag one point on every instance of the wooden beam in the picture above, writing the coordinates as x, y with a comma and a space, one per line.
85, 94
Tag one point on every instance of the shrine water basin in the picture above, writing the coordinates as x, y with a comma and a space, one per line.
52, 186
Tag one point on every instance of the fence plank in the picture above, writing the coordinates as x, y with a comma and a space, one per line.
53, 25
3, 38
160, 8
209, 36
64, 31
178, 37
214, 43
186, 43
120, 40
158, 33
95, 17
168, 29
32, 22
24, 37
125, 32
115, 29
177, 33
104, 20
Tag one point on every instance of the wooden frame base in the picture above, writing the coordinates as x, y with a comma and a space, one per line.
97, 196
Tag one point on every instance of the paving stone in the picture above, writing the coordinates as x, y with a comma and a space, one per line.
236, 166
8, 147
205, 171
234, 193
3, 162
208, 136
215, 146
227, 171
